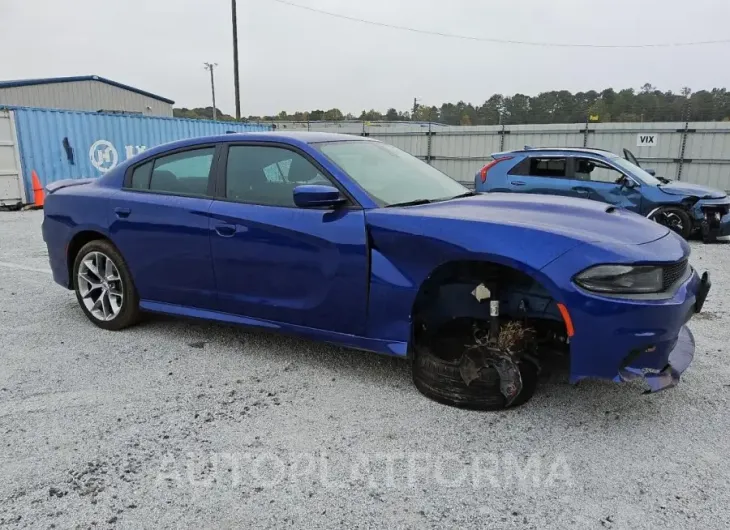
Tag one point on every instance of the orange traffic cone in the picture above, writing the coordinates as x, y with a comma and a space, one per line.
38, 195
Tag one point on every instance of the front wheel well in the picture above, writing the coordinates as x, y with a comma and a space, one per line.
451, 293
480, 333
464, 271
677, 217
75, 245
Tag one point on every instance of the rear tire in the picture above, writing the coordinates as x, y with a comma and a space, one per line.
674, 218
104, 287
441, 381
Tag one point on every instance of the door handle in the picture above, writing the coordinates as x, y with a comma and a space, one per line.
122, 213
517, 183
226, 230
584, 191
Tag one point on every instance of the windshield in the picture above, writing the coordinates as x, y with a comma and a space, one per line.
389, 175
635, 170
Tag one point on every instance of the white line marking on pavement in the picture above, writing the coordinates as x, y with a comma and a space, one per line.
23, 267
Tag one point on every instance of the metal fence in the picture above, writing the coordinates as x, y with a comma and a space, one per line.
692, 152
70, 144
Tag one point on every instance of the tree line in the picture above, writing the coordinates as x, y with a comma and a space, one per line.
648, 104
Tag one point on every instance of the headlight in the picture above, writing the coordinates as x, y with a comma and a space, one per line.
623, 279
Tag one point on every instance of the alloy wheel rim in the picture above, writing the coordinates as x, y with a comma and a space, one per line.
670, 220
100, 286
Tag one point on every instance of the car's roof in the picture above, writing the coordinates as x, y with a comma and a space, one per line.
308, 137
542, 150
282, 136
293, 137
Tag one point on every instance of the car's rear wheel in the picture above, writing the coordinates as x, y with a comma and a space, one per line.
674, 218
104, 287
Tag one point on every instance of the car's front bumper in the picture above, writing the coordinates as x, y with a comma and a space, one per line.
679, 360
713, 217
679, 357
615, 335
657, 345
724, 229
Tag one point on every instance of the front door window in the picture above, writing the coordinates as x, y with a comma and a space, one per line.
590, 170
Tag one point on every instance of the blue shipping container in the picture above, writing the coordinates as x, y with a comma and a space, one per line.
61, 144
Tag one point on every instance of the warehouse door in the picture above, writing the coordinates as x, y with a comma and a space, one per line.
12, 191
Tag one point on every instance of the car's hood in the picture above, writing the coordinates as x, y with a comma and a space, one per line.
682, 188
581, 219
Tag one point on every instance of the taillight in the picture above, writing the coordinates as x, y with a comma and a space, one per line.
485, 169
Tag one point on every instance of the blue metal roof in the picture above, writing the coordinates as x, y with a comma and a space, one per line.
72, 79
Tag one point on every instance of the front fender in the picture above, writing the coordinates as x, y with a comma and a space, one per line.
654, 198
401, 262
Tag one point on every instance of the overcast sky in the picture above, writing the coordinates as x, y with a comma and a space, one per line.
292, 59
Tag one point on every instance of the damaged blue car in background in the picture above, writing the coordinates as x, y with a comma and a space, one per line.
687, 209
351, 241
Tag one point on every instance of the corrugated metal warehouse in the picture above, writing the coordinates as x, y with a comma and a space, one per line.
90, 93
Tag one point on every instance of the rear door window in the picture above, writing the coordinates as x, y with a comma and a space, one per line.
541, 167
141, 176
185, 173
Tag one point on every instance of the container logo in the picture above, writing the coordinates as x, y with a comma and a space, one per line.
103, 155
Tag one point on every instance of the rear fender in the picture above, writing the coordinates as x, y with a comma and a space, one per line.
65, 215
497, 176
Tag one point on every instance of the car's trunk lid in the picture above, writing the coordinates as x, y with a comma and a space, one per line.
53, 187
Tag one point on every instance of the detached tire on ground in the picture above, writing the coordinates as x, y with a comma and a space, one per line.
674, 218
441, 380
104, 287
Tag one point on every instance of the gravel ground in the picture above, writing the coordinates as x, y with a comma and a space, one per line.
188, 424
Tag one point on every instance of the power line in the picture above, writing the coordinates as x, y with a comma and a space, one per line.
499, 41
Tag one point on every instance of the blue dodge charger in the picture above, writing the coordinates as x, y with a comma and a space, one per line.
350, 241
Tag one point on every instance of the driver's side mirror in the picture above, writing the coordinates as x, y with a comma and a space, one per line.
317, 196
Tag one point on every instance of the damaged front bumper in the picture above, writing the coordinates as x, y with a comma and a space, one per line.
715, 221
624, 339
679, 360
680, 356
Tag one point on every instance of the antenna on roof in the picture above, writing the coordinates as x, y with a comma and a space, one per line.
528, 147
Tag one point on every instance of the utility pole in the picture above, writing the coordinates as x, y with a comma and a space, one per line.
234, 20
415, 109
210, 67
